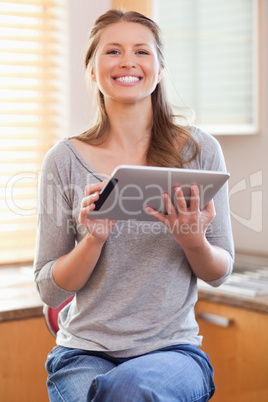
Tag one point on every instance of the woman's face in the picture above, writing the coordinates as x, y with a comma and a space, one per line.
126, 66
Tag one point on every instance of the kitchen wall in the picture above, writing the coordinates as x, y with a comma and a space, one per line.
82, 14
246, 156
247, 161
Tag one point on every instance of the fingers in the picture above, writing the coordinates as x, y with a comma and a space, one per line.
168, 204
85, 210
180, 200
88, 202
180, 204
158, 215
91, 188
210, 209
92, 193
194, 202
170, 209
171, 212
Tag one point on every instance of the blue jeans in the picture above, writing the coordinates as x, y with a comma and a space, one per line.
177, 373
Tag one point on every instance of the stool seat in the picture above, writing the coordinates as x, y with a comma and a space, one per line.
51, 316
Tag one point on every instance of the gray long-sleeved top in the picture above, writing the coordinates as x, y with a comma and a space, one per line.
141, 294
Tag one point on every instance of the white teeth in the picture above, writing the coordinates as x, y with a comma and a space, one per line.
127, 79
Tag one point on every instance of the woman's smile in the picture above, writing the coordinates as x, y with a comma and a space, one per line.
127, 80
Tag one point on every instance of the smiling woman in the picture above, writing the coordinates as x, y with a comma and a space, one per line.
131, 59
32, 103
134, 290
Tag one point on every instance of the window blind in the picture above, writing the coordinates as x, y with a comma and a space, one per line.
211, 53
32, 112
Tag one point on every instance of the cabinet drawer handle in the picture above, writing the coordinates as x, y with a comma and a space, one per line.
216, 319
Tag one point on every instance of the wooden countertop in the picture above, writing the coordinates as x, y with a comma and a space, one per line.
256, 303
19, 298
240, 299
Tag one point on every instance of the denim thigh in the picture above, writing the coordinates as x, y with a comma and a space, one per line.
178, 373
70, 373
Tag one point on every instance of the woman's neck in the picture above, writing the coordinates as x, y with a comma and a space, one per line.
130, 126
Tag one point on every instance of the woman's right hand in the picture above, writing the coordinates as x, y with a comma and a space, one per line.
98, 228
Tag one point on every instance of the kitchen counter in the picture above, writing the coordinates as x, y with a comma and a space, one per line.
256, 303
246, 288
19, 298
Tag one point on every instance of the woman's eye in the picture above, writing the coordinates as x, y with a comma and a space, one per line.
142, 52
112, 52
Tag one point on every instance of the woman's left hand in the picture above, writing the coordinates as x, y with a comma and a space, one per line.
187, 224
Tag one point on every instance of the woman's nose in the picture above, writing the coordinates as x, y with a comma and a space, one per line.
127, 61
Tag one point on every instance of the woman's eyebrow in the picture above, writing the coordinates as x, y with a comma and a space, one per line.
142, 44
120, 44
113, 44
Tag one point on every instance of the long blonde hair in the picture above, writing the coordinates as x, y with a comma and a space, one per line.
163, 149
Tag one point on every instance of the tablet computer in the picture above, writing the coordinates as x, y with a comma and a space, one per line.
131, 188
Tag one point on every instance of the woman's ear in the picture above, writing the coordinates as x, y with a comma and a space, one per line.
159, 75
93, 76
